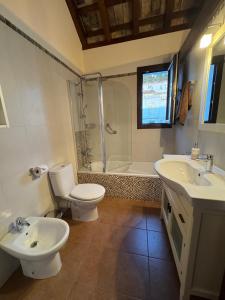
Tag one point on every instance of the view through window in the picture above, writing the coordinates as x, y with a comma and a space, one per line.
154, 97
154, 101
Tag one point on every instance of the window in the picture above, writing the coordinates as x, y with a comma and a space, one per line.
155, 105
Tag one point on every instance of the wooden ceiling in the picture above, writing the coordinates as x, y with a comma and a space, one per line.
104, 22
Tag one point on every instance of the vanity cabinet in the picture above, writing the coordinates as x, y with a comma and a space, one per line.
196, 232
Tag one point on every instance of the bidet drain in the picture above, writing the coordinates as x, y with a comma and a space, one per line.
33, 244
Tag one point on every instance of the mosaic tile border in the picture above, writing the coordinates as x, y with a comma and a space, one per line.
36, 44
126, 186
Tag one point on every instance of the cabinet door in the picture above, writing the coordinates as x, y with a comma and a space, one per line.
177, 236
166, 207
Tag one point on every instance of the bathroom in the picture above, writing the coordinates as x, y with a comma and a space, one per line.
143, 211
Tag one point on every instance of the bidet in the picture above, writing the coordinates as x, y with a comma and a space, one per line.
37, 246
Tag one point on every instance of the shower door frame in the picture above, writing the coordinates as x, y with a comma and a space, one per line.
89, 77
99, 78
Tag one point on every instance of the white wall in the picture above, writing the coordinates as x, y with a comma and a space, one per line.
128, 55
36, 98
49, 23
209, 142
146, 144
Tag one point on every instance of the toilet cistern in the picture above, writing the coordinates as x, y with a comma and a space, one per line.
83, 198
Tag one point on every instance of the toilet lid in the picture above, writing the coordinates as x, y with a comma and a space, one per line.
87, 191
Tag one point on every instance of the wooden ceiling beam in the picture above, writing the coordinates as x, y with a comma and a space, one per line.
87, 8
188, 13
115, 2
112, 29
207, 12
140, 35
104, 18
151, 20
77, 22
135, 15
169, 11
121, 27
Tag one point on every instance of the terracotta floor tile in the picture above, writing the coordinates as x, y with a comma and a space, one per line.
81, 291
52, 288
16, 286
121, 238
133, 276
158, 245
107, 259
152, 204
116, 272
132, 216
81, 232
164, 282
153, 220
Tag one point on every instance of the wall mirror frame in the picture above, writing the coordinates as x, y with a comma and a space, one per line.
4, 121
212, 127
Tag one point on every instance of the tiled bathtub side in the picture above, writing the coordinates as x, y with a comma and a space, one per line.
127, 186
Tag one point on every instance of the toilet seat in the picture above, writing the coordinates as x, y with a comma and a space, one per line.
87, 192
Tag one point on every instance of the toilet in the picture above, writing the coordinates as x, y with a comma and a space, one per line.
83, 197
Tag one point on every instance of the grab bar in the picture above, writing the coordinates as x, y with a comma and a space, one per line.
109, 129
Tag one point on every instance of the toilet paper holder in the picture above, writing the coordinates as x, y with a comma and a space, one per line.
38, 171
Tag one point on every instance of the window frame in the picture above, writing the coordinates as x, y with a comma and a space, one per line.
140, 72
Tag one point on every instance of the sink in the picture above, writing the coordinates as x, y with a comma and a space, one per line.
182, 171
37, 246
189, 177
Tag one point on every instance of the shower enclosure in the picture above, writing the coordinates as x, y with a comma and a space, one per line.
101, 114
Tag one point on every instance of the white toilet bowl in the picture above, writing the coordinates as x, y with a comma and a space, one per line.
83, 197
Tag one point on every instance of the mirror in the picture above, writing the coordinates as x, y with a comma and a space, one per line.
4, 123
214, 108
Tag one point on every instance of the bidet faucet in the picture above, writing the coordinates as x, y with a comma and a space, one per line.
20, 223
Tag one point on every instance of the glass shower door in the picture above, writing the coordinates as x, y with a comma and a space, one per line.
117, 124
87, 124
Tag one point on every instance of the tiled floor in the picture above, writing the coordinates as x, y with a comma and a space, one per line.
125, 255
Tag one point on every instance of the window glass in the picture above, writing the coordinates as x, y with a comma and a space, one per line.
154, 97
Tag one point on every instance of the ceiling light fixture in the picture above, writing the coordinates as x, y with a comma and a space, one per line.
205, 40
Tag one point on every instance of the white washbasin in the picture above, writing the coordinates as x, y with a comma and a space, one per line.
37, 246
184, 172
188, 176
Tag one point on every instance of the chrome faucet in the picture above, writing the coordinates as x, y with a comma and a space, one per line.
209, 165
208, 158
20, 223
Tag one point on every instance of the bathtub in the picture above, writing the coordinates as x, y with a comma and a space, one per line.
136, 180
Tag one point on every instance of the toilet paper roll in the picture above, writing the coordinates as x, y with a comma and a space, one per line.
40, 170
